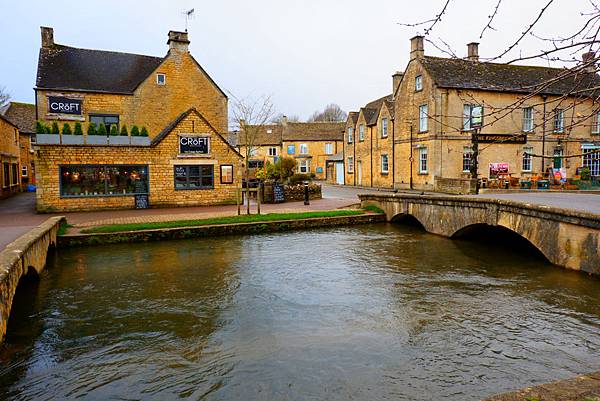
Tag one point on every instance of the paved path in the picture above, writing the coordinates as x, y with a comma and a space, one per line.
578, 201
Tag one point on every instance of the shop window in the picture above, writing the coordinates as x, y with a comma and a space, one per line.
161, 79
107, 119
304, 166
24, 170
256, 163
5, 175
103, 180
528, 119
467, 156
419, 83
350, 164
559, 121
423, 117
385, 165
272, 151
329, 148
291, 149
200, 176
227, 174
303, 149
591, 159
361, 132
423, 161
350, 134
384, 127
527, 159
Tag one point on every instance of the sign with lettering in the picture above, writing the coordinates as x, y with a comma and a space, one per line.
64, 105
180, 172
278, 193
502, 138
189, 144
141, 202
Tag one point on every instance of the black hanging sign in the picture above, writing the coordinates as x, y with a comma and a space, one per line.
194, 144
502, 138
141, 202
64, 105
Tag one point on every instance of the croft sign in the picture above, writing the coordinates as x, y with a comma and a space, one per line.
194, 144
64, 105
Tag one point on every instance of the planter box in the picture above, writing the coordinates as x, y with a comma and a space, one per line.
118, 140
47, 139
96, 140
72, 139
140, 140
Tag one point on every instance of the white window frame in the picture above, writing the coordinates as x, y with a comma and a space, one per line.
385, 164
361, 132
468, 115
384, 127
350, 164
423, 117
329, 148
304, 166
272, 151
559, 121
596, 123
423, 162
467, 159
350, 134
527, 162
591, 160
158, 79
303, 149
24, 171
418, 83
528, 119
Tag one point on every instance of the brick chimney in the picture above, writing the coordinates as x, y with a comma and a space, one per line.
473, 51
178, 41
589, 62
396, 78
416, 47
47, 36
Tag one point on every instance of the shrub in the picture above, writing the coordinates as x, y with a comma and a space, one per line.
55, 130
144, 132
124, 130
135, 131
78, 129
102, 130
92, 129
298, 178
113, 130
67, 130
47, 129
40, 127
585, 174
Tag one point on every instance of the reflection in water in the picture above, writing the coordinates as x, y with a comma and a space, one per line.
371, 312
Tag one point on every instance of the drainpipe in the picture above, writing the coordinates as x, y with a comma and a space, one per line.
544, 98
371, 156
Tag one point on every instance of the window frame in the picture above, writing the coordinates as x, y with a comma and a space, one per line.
200, 176
306, 166
419, 83
350, 164
528, 120
24, 168
221, 174
468, 116
556, 119
467, 160
527, 158
596, 123
361, 133
14, 174
5, 174
328, 148
387, 164
424, 117
164, 76
350, 135
558, 154
384, 127
106, 194
273, 154
423, 152
300, 148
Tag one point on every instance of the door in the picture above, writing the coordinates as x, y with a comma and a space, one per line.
359, 173
339, 173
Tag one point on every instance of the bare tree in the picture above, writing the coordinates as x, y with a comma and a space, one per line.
250, 116
332, 113
278, 118
4, 97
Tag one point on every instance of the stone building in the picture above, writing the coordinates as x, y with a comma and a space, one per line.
185, 160
23, 116
310, 144
9, 158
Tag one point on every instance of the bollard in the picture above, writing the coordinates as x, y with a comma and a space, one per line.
306, 200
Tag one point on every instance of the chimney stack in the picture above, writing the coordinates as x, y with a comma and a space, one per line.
47, 36
284, 121
178, 41
589, 61
396, 79
473, 51
416, 47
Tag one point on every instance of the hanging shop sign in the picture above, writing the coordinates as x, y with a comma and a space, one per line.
64, 105
502, 138
194, 144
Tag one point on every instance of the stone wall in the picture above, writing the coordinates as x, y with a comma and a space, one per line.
295, 193
9, 153
456, 186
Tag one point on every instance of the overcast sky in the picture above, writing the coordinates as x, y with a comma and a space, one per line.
305, 54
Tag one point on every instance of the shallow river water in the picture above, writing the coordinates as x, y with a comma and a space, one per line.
376, 312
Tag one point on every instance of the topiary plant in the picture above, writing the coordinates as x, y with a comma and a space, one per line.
102, 130
55, 130
40, 128
135, 131
92, 129
124, 130
78, 129
66, 130
144, 132
113, 130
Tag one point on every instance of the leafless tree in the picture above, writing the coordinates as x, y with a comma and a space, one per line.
4, 97
249, 117
332, 113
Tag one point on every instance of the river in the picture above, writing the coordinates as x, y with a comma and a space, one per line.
379, 312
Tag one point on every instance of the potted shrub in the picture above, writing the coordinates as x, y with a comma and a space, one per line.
96, 136
78, 130
138, 137
68, 138
44, 136
115, 139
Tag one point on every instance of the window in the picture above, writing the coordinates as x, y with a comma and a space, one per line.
472, 116
24, 170
559, 121
5, 174
227, 174
385, 166
107, 119
103, 180
329, 148
161, 79
199, 176
304, 166
467, 156
423, 160
361, 132
272, 151
15, 174
418, 83
350, 134
384, 127
558, 160
350, 164
291, 149
303, 149
528, 119
256, 163
596, 123
527, 159
591, 158
423, 117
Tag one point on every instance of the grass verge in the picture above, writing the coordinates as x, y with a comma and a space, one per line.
253, 218
64, 227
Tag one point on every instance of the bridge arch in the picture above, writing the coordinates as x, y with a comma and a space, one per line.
407, 219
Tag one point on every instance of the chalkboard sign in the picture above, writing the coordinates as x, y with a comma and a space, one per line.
180, 172
194, 144
64, 105
278, 193
141, 202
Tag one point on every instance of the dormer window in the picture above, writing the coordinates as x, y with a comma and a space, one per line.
161, 79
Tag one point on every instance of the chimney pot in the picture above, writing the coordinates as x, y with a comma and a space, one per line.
284, 120
417, 49
178, 41
47, 36
473, 51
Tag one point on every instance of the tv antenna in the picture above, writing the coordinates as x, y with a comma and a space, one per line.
189, 14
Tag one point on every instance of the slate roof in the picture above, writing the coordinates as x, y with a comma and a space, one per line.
263, 137
338, 157
371, 110
354, 116
296, 131
69, 68
466, 74
22, 115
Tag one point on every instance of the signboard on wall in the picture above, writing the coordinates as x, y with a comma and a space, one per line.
502, 138
194, 144
499, 169
64, 105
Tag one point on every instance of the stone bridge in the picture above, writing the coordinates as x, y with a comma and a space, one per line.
567, 238
25, 257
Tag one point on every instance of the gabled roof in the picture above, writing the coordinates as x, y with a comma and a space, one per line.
353, 116
391, 109
22, 115
466, 74
371, 110
266, 135
69, 68
6, 120
275, 134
